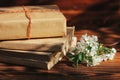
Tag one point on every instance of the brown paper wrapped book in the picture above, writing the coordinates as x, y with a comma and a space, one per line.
31, 22
44, 44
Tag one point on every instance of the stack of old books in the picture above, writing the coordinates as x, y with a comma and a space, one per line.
35, 36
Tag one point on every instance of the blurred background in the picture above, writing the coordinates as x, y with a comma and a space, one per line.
98, 17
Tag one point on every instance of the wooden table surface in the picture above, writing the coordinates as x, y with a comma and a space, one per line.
101, 19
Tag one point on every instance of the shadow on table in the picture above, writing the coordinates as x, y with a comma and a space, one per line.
101, 19
15, 72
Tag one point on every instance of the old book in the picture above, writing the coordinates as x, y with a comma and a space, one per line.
31, 22
32, 62
44, 60
45, 44
33, 49
36, 55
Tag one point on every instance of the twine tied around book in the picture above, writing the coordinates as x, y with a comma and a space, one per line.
30, 22
27, 14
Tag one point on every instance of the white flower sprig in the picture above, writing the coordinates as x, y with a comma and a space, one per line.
88, 50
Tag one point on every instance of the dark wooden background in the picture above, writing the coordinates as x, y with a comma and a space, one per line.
95, 17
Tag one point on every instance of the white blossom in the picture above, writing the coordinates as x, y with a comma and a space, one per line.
89, 46
112, 56
113, 50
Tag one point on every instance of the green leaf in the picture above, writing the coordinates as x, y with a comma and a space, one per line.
90, 59
103, 50
71, 57
107, 50
83, 57
89, 48
76, 60
80, 56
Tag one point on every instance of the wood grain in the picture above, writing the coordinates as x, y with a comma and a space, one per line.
97, 17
